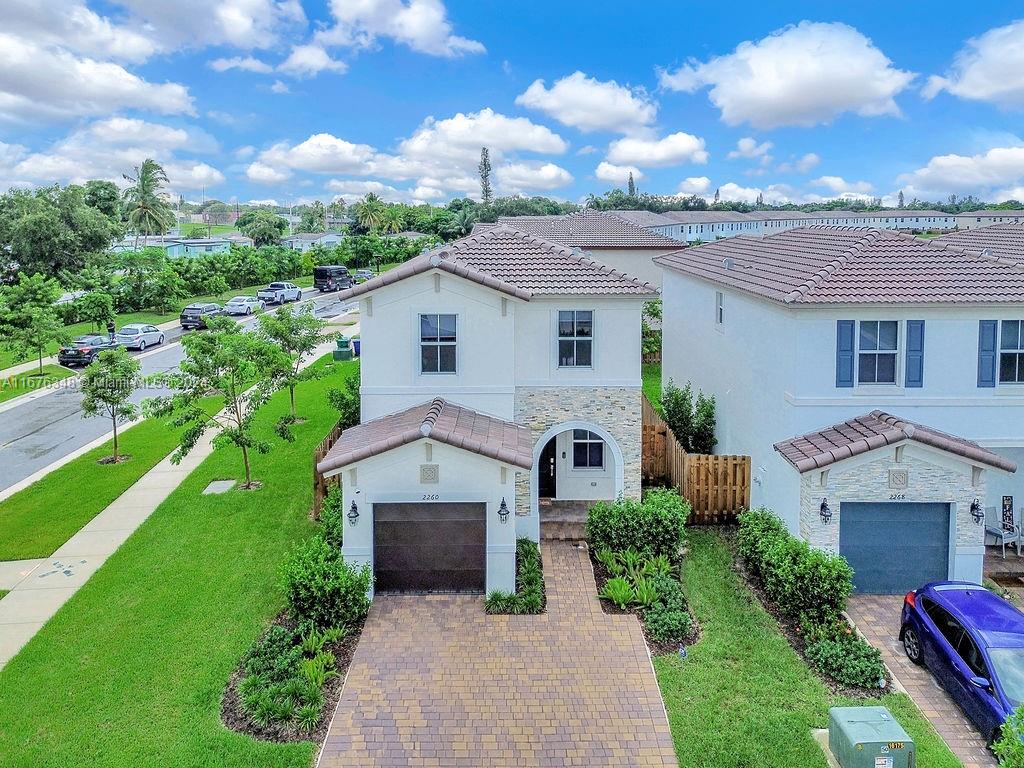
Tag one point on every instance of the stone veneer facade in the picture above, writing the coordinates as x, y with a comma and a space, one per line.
938, 480
614, 409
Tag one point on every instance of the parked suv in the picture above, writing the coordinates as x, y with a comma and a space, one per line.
279, 293
331, 278
84, 349
194, 315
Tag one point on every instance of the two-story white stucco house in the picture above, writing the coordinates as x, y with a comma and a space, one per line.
827, 349
500, 378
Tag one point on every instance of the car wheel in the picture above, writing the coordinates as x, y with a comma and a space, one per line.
161, 341
248, 310
912, 644
142, 346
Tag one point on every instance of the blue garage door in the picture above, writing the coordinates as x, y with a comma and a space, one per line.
894, 547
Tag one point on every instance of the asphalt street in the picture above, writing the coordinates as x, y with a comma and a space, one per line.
45, 429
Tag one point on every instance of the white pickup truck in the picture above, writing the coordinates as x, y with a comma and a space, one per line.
279, 293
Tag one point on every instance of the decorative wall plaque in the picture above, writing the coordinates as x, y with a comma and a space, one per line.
430, 473
899, 478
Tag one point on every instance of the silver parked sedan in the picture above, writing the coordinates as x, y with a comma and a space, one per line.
139, 336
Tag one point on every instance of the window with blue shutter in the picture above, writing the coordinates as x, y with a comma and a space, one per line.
845, 352
914, 376
987, 331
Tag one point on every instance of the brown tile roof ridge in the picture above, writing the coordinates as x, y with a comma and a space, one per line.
861, 434
439, 420
815, 281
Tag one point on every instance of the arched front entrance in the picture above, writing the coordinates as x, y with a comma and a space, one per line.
581, 462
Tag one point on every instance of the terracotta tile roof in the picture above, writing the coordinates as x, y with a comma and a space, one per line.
992, 213
644, 218
518, 264
438, 420
850, 265
1002, 241
877, 429
590, 229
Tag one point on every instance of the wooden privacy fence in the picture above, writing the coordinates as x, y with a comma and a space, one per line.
717, 487
321, 484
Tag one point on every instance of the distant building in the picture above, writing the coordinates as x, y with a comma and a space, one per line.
172, 245
976, 219
408, 235
303, 241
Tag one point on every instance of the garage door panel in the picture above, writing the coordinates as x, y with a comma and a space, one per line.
430, 546
894, 547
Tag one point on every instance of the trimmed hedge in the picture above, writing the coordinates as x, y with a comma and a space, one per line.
654, 526
322, 590
836, 650
529, 594
807, 584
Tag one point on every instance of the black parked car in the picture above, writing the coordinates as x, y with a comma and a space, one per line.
84, 349
194, 315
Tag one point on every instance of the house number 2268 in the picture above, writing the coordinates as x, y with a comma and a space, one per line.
897, 496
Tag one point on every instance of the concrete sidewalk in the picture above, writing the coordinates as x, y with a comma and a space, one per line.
38, 588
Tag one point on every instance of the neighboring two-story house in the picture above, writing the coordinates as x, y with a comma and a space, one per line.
877, 381
500, 378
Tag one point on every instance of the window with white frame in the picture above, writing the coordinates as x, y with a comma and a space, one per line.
877, 351
437, 343
587, 450
1011, 352
719, 308
575, 338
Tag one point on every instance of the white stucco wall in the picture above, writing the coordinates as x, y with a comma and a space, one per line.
772, 370
463, 476
635, 262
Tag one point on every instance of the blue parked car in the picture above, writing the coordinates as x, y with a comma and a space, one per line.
973, 642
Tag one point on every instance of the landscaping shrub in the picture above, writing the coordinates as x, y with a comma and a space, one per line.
666, 626
807, 584
837, 651
648, 585
1009, 747
691, 421
529, 594
654, 526
321, 588
275, 656
332, 517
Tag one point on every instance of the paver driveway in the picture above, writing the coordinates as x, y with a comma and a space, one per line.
437, 682
878, 617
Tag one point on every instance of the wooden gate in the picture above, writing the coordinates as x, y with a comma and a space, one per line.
321, 484
717, 487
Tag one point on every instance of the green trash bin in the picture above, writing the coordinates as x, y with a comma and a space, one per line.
869, 737
344, 350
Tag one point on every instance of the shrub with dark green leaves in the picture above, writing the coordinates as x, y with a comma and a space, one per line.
1009, 747
275, 656
654, 526
837, 651
529, 595
323, 590
332, 517
664, 625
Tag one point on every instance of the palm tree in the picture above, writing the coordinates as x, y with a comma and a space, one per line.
461, 223
392, 220
146, 201
369, 212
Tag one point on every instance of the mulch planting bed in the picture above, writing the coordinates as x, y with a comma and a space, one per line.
657, 648
110, 459
234, 716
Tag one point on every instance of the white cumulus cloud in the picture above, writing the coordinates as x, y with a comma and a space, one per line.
748, 148
803, 164
988, 68
309, 60
674, 149
988, 175
800, 75
694, 185
246, 63
591, 105
517, 178
617, 174
422, 25
841, 186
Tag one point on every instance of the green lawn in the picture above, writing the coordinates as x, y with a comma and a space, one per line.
8, 359
130, 672
651, 375
2, 593
37, 520
744, 698
22, 383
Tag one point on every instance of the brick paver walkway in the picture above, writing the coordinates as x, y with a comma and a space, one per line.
878, 617
437, 682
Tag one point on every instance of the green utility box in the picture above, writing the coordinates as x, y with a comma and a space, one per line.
868, 737
344, 350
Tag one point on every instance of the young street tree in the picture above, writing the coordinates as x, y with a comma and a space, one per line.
296, 334
28, 316
486, 193
107, 387
243, 368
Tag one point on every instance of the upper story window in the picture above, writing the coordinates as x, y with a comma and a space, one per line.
575, 338
1011, 352
719, 308
587, 450
877, 348
437, 343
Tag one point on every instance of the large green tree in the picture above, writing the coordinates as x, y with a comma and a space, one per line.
368, 213
314, 218
29, 321
107, 387
146, 203
263, 226
105, 197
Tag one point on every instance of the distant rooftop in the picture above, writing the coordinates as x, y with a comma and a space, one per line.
990, 213
644, 218
1004, 241
590, 229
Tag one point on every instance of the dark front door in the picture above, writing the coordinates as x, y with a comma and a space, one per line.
430, 547
894, 547
546, 471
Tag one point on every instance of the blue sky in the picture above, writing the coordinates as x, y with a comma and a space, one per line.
287, 101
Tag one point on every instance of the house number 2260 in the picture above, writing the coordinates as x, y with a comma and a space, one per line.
431, 496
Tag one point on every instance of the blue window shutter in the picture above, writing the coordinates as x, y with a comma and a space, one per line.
987, 353
915, 354
844, 352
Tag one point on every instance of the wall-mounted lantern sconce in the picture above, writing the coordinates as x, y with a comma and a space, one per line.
977, 512
825, 512
353, 514
503, 511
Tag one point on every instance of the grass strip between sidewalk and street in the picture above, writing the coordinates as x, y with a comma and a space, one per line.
744, 698
130, 671
36, 520
30, 381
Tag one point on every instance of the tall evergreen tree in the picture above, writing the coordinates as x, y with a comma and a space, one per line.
631, 185
899, 200
485, 176
717, 195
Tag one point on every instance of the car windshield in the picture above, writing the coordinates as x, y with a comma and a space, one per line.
131, 330
195, 306
276, 285
1008, 664
238, 300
